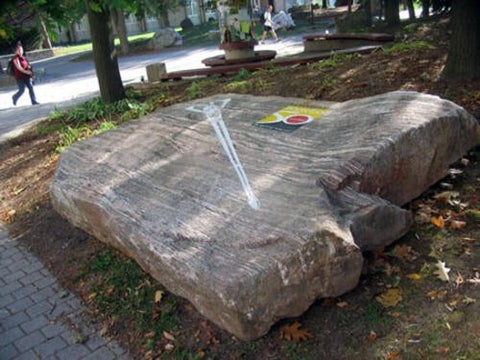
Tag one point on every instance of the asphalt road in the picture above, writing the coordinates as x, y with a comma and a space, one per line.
66, 83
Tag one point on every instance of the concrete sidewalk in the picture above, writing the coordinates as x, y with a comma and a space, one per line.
39, 320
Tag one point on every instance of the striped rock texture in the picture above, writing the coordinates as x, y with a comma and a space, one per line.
162, 190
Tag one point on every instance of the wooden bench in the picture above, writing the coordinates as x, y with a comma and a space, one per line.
328, 42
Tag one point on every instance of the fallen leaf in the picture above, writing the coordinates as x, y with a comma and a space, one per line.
390, 298
414, 276
150, 335
404, 252
393, 355
459, 280
18, 191
63, 294
342, 304
168, 336
437, 294
457, 225
468, 300
208, 330
447, 195
438, 221
455, 300
292, 332
372, 336
158, 296
104, 330
423, 214
443, 350
475, 279
442, 271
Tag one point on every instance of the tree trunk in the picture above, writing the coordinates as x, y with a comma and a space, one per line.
142, 24
160, 23
463, 61
411, 10
324, 4
425, 8
392, 13
104, 55
72, 33
118, 18
312, 14
165, 19
47, 44
201, 12
368, 11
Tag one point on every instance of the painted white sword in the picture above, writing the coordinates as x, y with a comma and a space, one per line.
213, 113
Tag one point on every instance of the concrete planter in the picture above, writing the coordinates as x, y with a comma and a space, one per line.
239, 49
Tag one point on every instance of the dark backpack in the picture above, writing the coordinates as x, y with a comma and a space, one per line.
10, 69
262, 18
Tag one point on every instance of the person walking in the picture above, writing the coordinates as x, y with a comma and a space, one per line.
23, 75
268, 25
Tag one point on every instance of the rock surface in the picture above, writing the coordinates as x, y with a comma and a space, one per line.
162, 190
164, 38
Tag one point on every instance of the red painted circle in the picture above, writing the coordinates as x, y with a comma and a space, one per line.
297, 119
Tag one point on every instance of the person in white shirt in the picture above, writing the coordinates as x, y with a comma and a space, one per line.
268, 25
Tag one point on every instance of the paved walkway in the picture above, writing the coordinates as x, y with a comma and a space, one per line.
39, 320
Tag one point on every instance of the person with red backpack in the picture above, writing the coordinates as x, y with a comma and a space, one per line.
23, 75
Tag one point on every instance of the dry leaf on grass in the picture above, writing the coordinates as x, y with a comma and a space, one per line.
292, 332
158, 296
168, 336
342, 304
475, 279
438, 221
404, 252
442, 271
436, 294
457, 225
390, 298
393, 355
414, 276
447, 195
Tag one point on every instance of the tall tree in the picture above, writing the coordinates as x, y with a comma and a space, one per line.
392, 12
26, 18
118, 19
104, 53
159, 9
463, 61
411, 9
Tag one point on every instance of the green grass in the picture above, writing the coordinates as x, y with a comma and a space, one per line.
122, 290
332, 62
410, 46
73, 49
93, 117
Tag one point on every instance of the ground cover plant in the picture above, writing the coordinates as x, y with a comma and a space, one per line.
419, 298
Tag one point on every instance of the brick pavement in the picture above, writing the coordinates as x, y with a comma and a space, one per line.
40, 320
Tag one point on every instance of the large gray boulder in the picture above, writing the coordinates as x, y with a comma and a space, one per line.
162, 190
164, 38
